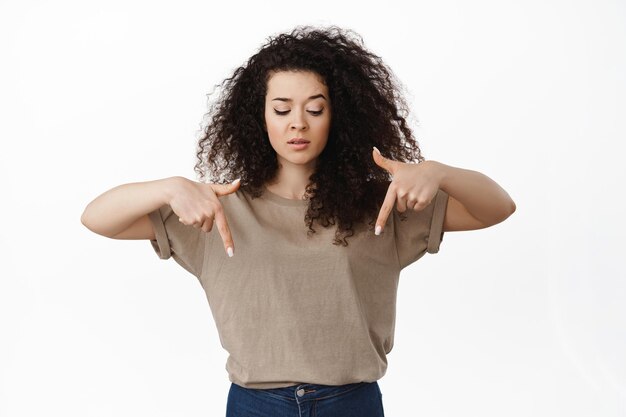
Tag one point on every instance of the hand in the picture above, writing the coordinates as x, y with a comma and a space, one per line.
197, 204
413, 186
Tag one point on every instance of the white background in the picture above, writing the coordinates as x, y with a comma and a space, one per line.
525, 318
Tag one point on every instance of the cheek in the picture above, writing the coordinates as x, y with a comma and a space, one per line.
274, 131
270, 125
324, 127
272, 121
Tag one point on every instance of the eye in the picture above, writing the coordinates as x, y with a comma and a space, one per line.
314, 113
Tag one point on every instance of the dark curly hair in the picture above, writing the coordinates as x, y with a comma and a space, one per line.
368, 110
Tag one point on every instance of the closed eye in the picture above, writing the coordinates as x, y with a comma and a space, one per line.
282, 113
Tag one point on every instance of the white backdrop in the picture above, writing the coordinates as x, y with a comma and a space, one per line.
526, 318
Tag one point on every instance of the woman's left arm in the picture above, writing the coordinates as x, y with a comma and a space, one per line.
475, 201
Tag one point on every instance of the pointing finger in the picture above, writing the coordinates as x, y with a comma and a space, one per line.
385, 209
224, 230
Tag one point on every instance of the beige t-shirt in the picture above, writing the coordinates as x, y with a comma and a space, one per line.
292, 309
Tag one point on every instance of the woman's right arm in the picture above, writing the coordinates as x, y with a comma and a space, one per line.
122, 212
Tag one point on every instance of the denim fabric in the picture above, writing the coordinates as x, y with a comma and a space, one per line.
361, 399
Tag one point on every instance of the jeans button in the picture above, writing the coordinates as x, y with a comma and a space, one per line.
300, 392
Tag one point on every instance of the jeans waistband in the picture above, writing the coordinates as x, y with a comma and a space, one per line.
303, 392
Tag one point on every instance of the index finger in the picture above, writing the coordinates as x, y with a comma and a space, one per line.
385, 209
224, 230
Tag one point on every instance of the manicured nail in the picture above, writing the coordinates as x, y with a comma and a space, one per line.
376, 149
378, 229
236, 181
230, 251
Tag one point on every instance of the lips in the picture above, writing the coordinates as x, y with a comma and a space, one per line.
298, 140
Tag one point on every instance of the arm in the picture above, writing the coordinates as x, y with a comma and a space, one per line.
122, 212
475, 200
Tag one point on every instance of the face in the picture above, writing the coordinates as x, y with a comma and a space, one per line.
297, 105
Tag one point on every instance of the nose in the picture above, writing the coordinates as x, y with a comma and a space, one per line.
298, 122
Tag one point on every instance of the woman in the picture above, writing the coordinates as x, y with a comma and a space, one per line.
306, 311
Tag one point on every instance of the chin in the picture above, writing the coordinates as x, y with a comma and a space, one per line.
299, 159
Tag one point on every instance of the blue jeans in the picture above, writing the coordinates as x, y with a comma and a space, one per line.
360, 399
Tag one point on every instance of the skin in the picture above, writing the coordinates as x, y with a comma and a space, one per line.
475, 201
299, 120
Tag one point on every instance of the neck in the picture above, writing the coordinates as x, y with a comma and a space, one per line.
291, 179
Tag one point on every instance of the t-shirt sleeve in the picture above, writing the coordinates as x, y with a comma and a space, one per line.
421, 231
186, 244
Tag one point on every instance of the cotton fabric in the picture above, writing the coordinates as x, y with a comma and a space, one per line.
293, 309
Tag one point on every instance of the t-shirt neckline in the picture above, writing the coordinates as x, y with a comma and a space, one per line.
282, 200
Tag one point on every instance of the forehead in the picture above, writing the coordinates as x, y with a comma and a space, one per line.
298, 85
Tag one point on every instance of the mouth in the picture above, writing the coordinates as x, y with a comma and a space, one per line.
297, 141
298, 144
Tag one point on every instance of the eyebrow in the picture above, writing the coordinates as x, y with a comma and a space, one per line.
310, 98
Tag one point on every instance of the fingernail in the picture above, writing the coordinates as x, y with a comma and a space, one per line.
376, 149
236, 181
378, 229
230, 251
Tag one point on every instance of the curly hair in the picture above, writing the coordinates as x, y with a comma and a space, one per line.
368, 110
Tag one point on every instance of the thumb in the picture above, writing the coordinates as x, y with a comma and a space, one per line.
223, 189
381, 161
